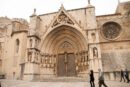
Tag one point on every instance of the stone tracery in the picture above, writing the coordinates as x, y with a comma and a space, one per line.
62, 18
111, 30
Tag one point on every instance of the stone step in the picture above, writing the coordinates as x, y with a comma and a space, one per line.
64, 79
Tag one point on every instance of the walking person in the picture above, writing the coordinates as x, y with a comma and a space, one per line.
122, 75
101, 78
127, 75
92, 78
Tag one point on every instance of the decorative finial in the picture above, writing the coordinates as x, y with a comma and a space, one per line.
89, 2
62, 6
34, 11
118, 1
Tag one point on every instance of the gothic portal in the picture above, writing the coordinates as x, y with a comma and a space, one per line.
65, 43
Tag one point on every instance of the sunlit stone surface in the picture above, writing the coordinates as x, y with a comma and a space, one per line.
65, 44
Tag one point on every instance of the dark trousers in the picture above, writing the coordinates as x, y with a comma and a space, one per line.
92, 83
127, 78
101, 82
122, 77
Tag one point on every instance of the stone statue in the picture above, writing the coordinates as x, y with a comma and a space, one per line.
95, 52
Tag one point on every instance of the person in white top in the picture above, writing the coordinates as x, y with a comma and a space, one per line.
101, 78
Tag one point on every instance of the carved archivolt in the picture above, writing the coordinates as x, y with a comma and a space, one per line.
62, 18
111, 30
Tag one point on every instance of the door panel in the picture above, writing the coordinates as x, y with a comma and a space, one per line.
71, 65
66, 65
22, 70
61, 65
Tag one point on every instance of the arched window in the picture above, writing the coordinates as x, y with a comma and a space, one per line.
17, 45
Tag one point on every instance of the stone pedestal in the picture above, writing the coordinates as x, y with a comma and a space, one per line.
31, 71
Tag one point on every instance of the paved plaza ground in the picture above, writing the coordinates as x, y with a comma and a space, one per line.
19, 83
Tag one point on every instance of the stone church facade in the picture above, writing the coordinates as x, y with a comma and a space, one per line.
67, 43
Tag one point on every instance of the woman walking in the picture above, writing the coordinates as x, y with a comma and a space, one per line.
101, 79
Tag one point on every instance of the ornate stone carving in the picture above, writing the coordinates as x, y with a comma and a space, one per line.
62, 18
111, 30
95, 52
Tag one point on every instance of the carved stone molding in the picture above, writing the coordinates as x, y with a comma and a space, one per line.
62, 18
111, 30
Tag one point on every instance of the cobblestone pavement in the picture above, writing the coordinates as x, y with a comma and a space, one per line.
18, 83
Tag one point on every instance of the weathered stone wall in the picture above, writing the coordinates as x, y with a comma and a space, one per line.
8, 35
12, 59
115, 61
115, 56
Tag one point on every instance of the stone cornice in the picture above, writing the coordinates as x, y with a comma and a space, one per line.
20, 31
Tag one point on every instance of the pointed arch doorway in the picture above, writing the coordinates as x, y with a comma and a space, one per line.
65, 42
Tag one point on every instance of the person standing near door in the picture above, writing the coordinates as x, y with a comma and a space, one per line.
92, 78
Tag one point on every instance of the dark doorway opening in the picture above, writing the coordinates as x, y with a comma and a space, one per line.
22, 71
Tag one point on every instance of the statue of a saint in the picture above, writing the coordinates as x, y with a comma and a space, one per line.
95, 52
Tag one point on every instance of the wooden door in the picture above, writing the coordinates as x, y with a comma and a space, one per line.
66, 65
71, 70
